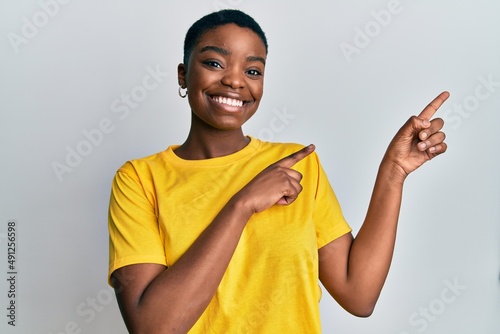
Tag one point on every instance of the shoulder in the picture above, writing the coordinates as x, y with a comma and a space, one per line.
279, 150
145, 166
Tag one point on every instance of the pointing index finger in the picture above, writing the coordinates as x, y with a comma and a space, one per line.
432, 107
295, 157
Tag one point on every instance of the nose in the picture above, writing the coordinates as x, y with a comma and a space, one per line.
234, 78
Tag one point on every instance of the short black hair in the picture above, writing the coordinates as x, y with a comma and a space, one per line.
215, 20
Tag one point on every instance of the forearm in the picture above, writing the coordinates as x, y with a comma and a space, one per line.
177, 297
354, 270
372, 249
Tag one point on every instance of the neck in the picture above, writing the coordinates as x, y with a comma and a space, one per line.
204, 142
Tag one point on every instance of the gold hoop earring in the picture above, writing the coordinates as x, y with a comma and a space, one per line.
180, 92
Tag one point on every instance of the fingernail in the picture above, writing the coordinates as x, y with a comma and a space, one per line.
423, 135
426, 122
422, 146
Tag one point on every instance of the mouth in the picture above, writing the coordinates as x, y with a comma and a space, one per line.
228, 101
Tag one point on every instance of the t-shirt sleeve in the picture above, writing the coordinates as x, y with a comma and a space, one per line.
134, 235
328, 218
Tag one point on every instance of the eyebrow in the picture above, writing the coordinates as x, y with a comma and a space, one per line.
256, 58
221, 51
225, 52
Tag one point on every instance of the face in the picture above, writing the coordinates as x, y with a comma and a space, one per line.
225, 77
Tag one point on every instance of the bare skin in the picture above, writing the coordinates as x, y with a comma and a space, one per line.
354, 270
156, 299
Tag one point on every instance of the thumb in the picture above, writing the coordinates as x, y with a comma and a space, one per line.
414, 125
412, 129
421, 125
424, 123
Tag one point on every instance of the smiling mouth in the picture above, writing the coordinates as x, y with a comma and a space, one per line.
228, 101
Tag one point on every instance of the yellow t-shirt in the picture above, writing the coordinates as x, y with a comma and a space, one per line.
160, 204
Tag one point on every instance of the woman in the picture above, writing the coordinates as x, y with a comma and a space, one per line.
229, 234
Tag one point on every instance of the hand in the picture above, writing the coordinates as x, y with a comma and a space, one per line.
419, 140
277, 184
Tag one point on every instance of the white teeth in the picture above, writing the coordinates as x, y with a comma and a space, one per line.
228, 101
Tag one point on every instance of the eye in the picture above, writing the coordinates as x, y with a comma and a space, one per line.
212, 63
254, 73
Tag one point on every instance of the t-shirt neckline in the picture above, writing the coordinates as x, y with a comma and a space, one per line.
248, 150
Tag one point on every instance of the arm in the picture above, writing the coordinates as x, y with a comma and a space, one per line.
161, 300
354, 270
154, 299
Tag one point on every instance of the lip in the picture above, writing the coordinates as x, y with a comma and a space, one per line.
228, 102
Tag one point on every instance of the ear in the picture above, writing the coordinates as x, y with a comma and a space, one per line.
181, 75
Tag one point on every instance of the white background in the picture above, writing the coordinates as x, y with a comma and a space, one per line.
60, 77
